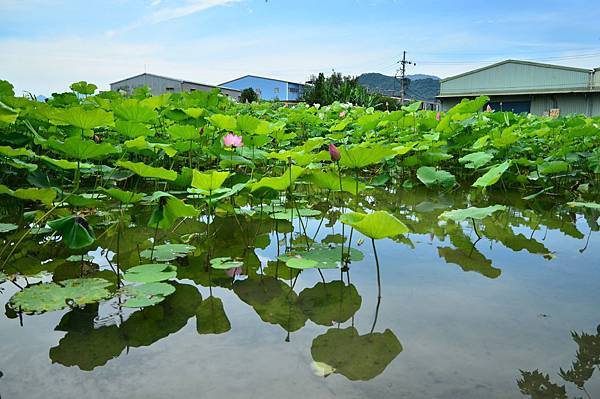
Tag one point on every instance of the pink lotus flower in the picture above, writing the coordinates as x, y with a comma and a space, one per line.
489, 108
236, 271
343, 114
231, 140
334, 153
438, 116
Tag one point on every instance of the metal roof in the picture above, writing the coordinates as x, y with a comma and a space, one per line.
262, 77
175, 79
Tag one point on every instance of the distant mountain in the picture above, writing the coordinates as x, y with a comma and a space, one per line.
420, 87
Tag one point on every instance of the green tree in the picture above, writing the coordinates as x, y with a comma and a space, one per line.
248, 95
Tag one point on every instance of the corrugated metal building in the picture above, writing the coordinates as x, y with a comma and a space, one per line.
268, 88
523, 86
163, 84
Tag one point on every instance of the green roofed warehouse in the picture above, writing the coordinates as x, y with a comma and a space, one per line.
523, 86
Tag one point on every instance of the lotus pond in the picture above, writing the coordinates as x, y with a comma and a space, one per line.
186, 246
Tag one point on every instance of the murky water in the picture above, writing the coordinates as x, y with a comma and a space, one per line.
457, 318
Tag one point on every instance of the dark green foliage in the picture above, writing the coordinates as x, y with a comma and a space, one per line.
248, 95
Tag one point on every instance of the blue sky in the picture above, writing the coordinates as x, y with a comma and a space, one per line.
47, 44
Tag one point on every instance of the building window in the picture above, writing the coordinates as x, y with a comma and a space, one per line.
276, 90
293, 90
169, 89
192, 89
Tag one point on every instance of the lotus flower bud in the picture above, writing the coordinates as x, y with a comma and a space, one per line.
334, 153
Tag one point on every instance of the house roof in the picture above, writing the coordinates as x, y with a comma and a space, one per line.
261, 77
175, 79
510, 61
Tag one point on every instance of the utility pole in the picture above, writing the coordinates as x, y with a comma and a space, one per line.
403, 63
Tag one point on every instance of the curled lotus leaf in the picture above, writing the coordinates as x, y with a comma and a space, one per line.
376, 225
75, 231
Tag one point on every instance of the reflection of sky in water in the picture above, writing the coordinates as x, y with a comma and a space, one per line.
463, 335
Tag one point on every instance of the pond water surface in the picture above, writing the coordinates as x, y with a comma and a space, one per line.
457, 317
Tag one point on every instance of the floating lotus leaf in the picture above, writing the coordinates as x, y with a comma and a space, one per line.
356, 357
225, 263
288, 213
75, 231
210, 181
211, 317
6, 227
146, 294
49, 297
326, 303
492, 176
375, 225
476, 160
168, 252
141, 169
126, 197
433, 177
459, 215
150, 273
319, 256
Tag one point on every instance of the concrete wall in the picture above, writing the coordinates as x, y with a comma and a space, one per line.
268, 89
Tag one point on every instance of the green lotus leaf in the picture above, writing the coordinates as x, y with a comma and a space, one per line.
476, 160
331, 181
132, 129
224, 122
82, 201
209, 181
141, 169
168, 210
75, 231
147, 294
8, 115
44, 195
83, 87
319, 256
330, 302
225, 263
288, 213
183, 132
432, 177
375, 225
64, 164
126, 197
140, 143
590, 205
133, 111
78, 148
279, 183
84, 118
6, 89
493, 175
362, 156
151, 273
168, 252
15, 152
211, 317
49, 297
356, 357
553, 167
459, 215
6, 227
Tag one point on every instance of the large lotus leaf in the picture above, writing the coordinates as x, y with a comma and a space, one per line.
319, 256
211, 317
83, 87
146, 294
168, 252
224, 122
331, 181
470, 260
247, 123
225, 263
79, 148
89, 348
141, 169
64, 164
6, 89
375, 225
83, 118
208, 181
75, 231
49, 297
289, 213
553, 167
45, 195
272, 300
8, 115
132, 129
493, 175
357, 357
82, 201
131, 110
361, 156
279, 183
126, 197
183, 132
326, 303
458, 215
591, 205
476, 160
140, 144
15, 152
168, 210
150, 273
432, 177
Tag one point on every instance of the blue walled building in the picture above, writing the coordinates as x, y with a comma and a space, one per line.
268, 88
